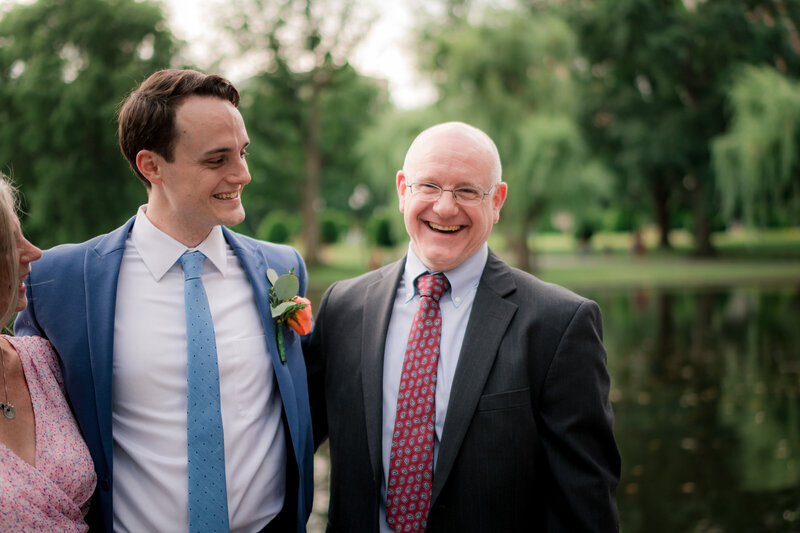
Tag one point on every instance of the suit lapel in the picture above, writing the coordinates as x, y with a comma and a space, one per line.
487, 325
379, 299
101, 273
255, 265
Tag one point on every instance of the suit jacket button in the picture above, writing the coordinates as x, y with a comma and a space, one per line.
104, 484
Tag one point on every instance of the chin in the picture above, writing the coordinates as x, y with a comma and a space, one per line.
439, 263
232, 220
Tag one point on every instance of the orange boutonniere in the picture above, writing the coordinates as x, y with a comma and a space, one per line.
286, 306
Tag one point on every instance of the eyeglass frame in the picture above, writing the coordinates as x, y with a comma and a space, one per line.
452, 191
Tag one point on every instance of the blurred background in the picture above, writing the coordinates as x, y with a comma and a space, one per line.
650, 146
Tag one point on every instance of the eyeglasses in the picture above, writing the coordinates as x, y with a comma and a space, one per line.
430, 192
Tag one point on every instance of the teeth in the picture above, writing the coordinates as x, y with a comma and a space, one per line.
227, 196
444, 228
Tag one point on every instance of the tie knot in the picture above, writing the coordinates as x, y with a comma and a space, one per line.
432, 285
192, 263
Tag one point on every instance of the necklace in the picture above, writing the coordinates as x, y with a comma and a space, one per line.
8, 409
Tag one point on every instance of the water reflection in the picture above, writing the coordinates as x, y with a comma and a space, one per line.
705, 391
706, 386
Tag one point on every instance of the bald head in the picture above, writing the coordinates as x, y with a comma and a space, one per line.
447, 228
461, 140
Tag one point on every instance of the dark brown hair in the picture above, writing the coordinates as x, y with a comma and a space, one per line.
147, 115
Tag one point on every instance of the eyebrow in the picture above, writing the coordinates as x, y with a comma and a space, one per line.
432, 181
222, 150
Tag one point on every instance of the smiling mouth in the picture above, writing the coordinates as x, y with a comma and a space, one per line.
227, 196
444, 229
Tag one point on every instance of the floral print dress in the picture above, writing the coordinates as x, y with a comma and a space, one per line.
53, 495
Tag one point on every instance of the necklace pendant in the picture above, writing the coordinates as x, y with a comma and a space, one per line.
8, 411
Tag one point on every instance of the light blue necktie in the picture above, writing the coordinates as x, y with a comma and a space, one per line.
208, 501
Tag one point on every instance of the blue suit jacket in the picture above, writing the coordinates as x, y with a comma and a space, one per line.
72, 295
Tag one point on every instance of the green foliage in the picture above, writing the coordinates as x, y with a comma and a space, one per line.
333, 224
350, 107
511, 62
620, 219
276, 116
64, 68
306, 106
588, 223
552, 166
278, 226
511, 75
656, 75
383, 146
756, 162
284, 287
382, 228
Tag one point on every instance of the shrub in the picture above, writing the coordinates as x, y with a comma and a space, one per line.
278, 226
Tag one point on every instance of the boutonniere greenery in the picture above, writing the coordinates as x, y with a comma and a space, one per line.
287, 307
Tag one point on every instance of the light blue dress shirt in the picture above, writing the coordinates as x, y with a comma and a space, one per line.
455, 306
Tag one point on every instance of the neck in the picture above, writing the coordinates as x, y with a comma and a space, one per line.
185, 235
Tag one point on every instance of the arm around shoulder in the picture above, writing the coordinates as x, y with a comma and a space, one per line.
26, 324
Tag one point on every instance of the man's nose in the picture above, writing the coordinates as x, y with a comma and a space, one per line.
446, 205
241, 173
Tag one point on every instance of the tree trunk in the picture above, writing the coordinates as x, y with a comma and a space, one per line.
702, 223
659, 191
524, 256
519, 246
312, 167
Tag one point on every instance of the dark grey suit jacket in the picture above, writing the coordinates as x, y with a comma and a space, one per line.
527, 444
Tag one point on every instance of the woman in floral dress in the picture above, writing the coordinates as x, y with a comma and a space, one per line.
46, 473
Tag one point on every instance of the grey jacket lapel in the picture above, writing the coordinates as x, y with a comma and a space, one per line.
378, 303
487, 325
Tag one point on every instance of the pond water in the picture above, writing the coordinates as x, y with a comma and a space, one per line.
706, 396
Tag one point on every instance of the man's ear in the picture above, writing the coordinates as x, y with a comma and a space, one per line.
402, 189
498, 199
150, 165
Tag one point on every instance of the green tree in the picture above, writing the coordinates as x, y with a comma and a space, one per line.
277, 159
383, 146
308, 104
511, 76
64, 67
756, 161
656, 75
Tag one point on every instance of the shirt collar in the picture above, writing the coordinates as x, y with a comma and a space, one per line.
464, 278
159, 251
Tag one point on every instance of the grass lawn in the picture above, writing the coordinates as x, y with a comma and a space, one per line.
743, 258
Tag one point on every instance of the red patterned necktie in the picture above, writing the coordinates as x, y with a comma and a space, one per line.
408, 494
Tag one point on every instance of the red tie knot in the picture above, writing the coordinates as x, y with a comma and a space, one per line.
432, 285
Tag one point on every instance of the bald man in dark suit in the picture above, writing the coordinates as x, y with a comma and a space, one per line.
513, 422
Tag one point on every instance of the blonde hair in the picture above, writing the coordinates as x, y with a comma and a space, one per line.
9, 266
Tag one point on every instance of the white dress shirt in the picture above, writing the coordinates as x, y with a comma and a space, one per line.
455, 306
149, 388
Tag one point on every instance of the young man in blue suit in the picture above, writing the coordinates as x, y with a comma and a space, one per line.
113, 307
493, 415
